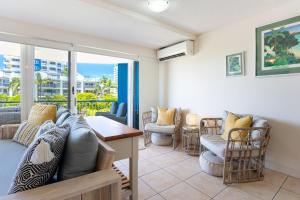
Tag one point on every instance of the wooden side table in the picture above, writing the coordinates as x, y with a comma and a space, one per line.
191, 140
124, 140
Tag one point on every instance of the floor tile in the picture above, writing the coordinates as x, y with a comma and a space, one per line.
178, 155
148, 153
183, 191
156, 197
160, 180
207, 184
183, 170
234, 194
259, 189
163, 160
292, 184
146, 167
145, 191
286, 195
274, 177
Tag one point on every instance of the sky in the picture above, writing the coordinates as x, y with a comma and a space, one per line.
95, 70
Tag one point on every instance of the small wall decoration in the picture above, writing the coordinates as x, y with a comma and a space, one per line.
278, 48
235, 64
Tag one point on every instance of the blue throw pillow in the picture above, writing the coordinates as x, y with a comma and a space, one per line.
113, 108
80, 155
122, 110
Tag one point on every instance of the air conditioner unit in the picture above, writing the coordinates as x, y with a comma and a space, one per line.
176, 50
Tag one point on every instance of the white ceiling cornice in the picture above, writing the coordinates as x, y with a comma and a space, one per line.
141, 17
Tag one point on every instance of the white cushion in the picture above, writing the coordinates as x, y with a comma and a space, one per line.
211, 163
161, 139
153, 127
215, 144
218, 146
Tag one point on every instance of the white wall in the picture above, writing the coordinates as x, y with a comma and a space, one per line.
198, 83
146, 57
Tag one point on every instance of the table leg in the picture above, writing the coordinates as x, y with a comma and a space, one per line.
133, 164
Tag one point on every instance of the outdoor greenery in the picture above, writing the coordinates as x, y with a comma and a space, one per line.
88, 103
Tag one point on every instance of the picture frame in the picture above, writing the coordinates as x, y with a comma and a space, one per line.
278, 48
235, 64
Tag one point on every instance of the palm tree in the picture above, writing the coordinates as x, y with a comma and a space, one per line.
14, 85
40, 82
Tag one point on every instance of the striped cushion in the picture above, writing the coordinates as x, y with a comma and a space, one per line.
40, 160
26, 133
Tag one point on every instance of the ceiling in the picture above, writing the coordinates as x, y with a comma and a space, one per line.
131, 22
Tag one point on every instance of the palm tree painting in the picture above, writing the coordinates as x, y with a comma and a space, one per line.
235, 64
278, 47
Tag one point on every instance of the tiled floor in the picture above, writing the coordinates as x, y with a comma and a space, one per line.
165, 174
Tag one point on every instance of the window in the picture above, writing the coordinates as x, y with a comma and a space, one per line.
10, 83
51, 85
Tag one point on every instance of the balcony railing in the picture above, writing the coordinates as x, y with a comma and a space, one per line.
87, 107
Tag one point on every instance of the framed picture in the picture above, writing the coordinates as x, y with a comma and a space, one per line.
235, 64
278, 48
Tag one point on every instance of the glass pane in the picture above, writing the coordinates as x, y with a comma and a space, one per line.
51, 76
96, 83
10, 72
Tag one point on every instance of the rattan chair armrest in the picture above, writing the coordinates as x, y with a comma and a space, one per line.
8, 131
250, 130
146, 117
210, 125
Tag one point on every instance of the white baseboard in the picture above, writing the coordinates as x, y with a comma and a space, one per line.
295, 172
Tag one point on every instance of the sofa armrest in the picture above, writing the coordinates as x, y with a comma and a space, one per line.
8, 131
88, 186
106, 156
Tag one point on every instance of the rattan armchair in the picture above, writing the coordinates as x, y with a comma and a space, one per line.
147, 118
243, 159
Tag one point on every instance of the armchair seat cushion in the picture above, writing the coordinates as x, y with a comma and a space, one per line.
214, 143
153, 127
11, 154
217, 145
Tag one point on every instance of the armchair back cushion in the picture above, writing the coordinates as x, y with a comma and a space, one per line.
165, 116
40, 113
154, 115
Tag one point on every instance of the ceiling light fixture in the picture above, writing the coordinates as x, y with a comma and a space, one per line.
158, 5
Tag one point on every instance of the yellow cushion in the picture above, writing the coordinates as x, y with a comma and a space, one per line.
165, 116
232, 121
40, 113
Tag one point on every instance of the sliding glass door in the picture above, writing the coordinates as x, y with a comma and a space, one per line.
51, 76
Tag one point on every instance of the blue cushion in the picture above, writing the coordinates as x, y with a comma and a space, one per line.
81, 150
113, 108
62, 118
122, 110
9, 163
60, 111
